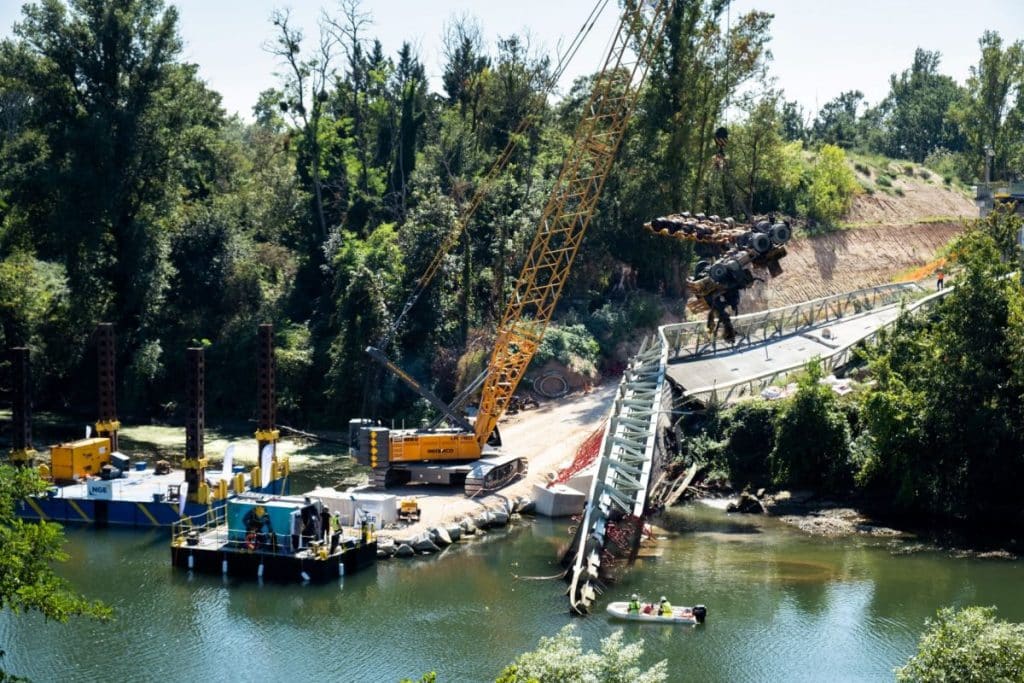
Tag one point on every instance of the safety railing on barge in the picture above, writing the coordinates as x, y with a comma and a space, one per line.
211, 528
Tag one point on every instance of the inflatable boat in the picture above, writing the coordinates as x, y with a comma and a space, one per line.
649, 612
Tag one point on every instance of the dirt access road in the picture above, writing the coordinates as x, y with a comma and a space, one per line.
547, 436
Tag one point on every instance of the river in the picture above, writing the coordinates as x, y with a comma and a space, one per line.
781, 605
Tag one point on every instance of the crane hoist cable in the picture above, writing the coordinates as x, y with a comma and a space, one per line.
484, 187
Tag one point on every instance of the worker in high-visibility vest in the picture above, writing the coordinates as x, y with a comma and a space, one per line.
634, 604
665, 609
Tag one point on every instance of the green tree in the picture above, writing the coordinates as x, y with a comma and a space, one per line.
28, 582
967, 644
750, 439
917, 110
836, 123
368, 274
812, 438
114, 136
944, 417
992, 110
464, 61
832, 186
561, 658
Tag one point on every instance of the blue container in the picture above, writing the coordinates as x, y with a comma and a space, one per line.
237, 469
140, 466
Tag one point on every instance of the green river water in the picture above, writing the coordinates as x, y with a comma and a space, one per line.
782, 606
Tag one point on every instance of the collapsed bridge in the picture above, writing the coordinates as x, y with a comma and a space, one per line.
686, 363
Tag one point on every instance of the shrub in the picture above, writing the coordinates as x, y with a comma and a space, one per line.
644, 311
861, 168
812, 438
883, 181
750, 438
561, 658
614, 323
899, 192
949, 165
832, 186
967, 644
572, 346
908, 170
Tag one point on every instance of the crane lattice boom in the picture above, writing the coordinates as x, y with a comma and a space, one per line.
571, 205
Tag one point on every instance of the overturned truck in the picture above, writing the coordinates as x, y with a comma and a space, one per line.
733, 252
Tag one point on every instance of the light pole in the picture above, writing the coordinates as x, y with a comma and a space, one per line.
990, 155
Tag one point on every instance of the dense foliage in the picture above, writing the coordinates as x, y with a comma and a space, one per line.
128, 195
812, 437
968, 644
928, 117
561, 658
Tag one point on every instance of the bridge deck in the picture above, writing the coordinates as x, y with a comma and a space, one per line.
705, 372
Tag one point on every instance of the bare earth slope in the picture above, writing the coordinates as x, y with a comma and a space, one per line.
888, 235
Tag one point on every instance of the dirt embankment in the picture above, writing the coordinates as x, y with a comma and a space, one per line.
888, 235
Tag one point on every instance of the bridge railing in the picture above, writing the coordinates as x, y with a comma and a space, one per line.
748, 386
624, 464
692, 339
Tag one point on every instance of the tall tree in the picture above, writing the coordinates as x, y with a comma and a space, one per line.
992, 109
411, 86
464, 61
917, 106
28, 582
836, 123
109, 144
305, 87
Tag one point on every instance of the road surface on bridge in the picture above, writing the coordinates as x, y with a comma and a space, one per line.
707, 371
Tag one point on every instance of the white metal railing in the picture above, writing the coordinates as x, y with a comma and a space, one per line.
624, 465
692, 339
748, 386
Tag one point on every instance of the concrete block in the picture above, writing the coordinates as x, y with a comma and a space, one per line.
558, 501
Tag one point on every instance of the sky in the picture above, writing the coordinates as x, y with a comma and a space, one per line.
820, 47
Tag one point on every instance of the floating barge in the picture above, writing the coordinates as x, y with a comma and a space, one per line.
136, 499
278, 538
94, 483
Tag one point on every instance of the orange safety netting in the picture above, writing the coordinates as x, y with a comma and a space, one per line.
927, 270
586, 454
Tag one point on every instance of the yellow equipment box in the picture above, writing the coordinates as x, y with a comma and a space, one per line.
79, 459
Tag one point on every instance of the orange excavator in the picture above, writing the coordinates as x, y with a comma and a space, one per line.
468, 452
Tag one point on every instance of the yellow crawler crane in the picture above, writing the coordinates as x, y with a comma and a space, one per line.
456, 454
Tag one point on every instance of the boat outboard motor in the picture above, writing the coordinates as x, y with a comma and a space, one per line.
700, 613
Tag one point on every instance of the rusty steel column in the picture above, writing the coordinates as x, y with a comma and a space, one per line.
266, 401
107, 424
21, 408
195, 462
